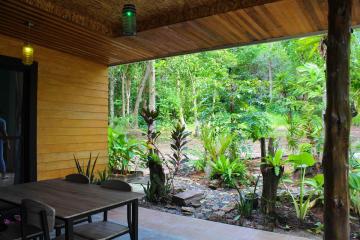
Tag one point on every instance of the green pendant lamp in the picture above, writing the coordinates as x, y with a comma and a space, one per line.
129, 20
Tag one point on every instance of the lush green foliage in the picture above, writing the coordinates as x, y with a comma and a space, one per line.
229, 171
122, 151
276, 161
304, 201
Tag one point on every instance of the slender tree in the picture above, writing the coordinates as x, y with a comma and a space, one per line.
140, 93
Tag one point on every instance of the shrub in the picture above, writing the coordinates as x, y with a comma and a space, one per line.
228, 171
303, 202
122, 151
199, 164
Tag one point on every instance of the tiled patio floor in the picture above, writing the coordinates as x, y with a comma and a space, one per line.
155, 225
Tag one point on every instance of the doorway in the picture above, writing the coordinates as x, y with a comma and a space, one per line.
18, 100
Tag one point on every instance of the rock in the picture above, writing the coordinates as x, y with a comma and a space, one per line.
195, 204
214, 184
169, 206
188, 210
229, 207
185, 198
217, 216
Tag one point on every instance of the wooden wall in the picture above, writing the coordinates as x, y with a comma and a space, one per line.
72, 109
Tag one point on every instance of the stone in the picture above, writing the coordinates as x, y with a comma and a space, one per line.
195, 204
188, 210
217, 216
228, 208
214, 184
185, 198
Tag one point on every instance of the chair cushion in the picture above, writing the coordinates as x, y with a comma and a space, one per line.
100, 230
13, 232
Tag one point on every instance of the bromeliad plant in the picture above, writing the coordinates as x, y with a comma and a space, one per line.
305, 200
178, 146
88, 169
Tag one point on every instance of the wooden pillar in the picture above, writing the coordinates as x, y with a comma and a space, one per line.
337, 122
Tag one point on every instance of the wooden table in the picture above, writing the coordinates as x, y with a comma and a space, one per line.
73, 200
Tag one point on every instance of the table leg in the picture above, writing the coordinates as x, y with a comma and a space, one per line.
134, 221
69, 230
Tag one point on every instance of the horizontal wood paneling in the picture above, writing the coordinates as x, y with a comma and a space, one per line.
72, 109
212, 25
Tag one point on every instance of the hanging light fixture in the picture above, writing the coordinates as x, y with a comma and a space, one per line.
129, 20
28, 50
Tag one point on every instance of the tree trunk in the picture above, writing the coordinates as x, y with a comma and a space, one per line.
181, 109
128, 94
123, 94
338, 122
152, 92
111, 100
139, 95
270, 180
271, 147
269, 190
196, 118
270, 79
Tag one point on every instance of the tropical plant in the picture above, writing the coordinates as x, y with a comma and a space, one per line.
198, 164
354, 184
304, 201
156, 189
276, 161
215, 145
317, 184
88, 169
122, 151
228, 171
178, 146
246, 203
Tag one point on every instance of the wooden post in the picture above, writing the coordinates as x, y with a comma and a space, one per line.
337, 122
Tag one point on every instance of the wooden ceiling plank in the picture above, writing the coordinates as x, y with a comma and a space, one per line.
66, 49
42, 37
45, 18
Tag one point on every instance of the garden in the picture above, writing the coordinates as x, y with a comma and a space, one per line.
234, 136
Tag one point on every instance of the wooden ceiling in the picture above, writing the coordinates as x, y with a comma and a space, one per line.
91, 28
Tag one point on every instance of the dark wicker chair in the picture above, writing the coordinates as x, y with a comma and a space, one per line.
106, 230
37, 219
75, 178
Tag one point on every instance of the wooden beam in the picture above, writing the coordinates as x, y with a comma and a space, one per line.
337, 122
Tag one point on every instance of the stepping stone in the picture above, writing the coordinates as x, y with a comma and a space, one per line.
187, 197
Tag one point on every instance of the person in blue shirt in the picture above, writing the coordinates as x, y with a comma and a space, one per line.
3, 139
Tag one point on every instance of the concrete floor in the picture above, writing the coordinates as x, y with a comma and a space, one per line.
155, 225
8, 181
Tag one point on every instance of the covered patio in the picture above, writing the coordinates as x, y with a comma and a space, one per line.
76, 40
